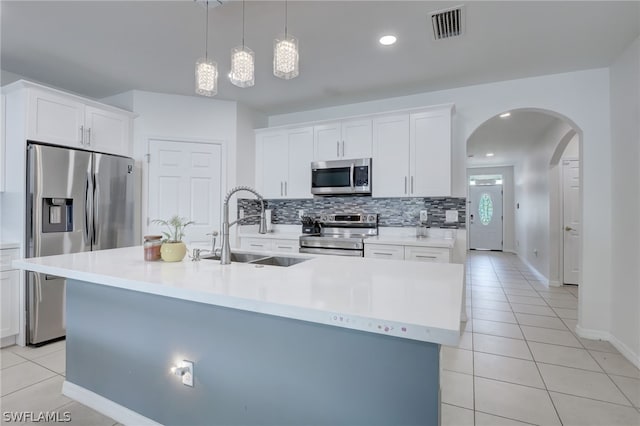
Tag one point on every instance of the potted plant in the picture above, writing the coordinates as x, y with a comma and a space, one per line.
173, 249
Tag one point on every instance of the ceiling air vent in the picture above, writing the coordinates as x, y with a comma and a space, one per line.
447, 23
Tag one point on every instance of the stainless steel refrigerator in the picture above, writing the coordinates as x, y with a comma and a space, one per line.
76, 201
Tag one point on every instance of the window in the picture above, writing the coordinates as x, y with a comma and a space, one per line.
485, 209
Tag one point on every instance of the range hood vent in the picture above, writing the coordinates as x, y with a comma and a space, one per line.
447, 23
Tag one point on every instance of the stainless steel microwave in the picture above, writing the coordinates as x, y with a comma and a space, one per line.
341, 177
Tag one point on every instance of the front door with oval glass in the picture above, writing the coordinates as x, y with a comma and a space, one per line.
485, 217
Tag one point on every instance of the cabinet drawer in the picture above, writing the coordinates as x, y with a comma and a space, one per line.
259, 244
383, 251
427, 254
6, 257
286, 246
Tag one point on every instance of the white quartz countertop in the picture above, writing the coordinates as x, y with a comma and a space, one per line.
414, 300
272, 235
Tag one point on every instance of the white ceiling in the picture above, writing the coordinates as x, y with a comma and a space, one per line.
509, 139
102, 48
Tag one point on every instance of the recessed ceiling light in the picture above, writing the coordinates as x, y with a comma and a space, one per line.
489, 154
505, 115
387, 40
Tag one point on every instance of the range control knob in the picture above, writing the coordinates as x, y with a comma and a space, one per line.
323, 218
371, 218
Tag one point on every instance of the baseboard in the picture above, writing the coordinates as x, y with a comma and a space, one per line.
533, 269
626, 352
105, 406
7, 341
554, 283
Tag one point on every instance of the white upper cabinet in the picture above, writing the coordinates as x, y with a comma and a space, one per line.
107, 131
412, 154
283, 163
430, 157
55, 119
391, 156
343, 140
61, 120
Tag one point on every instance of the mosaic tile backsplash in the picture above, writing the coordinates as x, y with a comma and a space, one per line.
391, 211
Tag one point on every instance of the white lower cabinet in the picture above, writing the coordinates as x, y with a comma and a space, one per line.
383, 251
270, 244
412, 253
9, 294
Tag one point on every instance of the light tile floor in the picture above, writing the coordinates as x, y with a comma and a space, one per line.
520, 362
31, 381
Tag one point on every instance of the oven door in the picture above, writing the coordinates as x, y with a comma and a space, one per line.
334, 252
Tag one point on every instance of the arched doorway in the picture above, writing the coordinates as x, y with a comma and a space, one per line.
525, 148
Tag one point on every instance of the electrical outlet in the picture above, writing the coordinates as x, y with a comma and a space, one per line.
187, 377
300, 213
424, 216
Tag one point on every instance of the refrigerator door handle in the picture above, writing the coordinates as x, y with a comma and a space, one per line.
88, 201
96, 213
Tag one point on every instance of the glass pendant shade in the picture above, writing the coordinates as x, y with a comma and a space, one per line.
206, 77
285, 57
242, 67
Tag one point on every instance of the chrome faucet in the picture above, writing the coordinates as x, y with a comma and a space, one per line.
225, 254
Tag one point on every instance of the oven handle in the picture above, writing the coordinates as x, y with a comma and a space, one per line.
335, 252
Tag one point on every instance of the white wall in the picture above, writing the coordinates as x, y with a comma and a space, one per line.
532, 193
178, 118
625, 199
582, 98
508, 203
247, 121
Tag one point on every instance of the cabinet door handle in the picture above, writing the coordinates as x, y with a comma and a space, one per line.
281, 191
405, 184
256, 245
81, 135
421, 256
411, 184
337, 148
285, 188
343, 148
382, 253
89, 136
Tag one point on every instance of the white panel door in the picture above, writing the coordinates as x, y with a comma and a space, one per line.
391, 156
327, 142
187, 179
430, 136
571, 218
356, 141
485, 217
298, 184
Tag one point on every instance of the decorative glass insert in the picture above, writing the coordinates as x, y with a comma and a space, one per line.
485, 209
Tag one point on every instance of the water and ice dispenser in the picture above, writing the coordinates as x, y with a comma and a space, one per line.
57, 215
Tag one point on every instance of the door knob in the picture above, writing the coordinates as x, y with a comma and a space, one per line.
568, 228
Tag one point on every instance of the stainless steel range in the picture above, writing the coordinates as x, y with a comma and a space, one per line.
340, 234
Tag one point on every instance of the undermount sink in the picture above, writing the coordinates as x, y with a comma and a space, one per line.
279, 261
260, 259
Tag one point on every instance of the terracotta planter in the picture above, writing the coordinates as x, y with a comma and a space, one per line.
173, 252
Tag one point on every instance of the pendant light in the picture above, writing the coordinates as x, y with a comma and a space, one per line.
285, 53
206, 70
242, 63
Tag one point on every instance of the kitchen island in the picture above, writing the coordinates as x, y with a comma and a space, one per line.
331, 340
